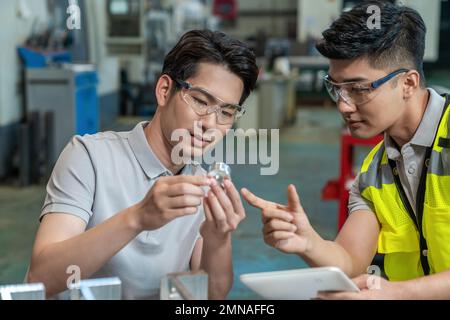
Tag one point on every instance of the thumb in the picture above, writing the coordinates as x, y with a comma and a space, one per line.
293, 199
362, 281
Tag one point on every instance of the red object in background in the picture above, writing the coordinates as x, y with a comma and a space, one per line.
337, 189
225, 9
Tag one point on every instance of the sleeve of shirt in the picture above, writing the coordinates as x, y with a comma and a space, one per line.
72, 184
356, 201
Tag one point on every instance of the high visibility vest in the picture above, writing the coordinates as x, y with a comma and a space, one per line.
413, 244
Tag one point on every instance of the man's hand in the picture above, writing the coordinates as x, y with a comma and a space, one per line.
286, 228
223, 211
170, 198
372, 288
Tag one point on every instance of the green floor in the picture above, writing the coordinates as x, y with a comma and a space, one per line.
309, 157
19, 213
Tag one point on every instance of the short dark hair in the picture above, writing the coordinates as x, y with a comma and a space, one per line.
198, 46
399, 43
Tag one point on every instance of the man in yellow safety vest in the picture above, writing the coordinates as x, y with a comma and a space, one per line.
399, 204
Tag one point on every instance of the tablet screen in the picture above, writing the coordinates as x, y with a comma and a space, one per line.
299, 284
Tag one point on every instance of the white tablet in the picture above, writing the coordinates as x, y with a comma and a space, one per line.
299, 284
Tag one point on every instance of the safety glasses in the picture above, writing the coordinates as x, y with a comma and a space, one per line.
204, 103
357, 92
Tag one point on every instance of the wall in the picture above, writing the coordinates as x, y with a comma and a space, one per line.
314, 17
107, 66
17, 29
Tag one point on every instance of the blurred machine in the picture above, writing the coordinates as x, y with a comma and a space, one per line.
126, 39
225, 9
70, 94
60, 98
277, 102
140, 33
125, 35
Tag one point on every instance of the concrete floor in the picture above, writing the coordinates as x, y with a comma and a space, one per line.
309, 157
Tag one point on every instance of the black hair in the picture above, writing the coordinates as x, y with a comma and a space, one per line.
198, 46
399, 42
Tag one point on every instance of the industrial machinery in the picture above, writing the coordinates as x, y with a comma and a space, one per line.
140, 33
70, 94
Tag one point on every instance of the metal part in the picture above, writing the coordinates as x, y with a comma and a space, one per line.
219, 171
96, 289
28, 291
185, 286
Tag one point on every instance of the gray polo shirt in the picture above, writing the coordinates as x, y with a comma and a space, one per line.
410, 158
95, 177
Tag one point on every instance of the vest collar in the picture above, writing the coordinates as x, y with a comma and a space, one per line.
424, 136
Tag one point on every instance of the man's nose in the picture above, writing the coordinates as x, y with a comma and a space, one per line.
210, 120
345, 106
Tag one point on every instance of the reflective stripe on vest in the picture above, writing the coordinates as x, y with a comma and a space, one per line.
399, 238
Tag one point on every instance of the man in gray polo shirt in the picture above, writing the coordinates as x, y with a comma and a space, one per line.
118, 204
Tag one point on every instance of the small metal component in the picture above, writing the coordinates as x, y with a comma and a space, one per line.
185, 286
27, 291
219, 171
96, 289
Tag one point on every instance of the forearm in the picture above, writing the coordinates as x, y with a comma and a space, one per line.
89, 251
217, 262
324, 253
433, 287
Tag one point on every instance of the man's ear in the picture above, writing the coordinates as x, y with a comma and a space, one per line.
410, 84
163, 90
